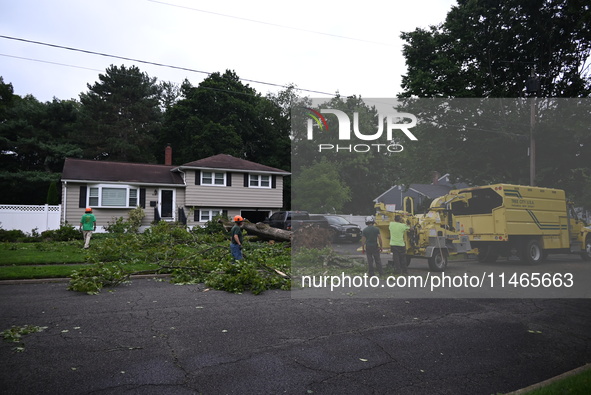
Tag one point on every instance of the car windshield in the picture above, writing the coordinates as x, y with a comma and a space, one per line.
302, 216
336, 220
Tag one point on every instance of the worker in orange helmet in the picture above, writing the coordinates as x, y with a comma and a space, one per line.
236, 238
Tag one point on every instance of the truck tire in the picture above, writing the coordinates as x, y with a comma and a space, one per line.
586, 253
532, 253
438, 262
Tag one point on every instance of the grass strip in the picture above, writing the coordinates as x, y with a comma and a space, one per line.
576, 382
58, 271
41, 253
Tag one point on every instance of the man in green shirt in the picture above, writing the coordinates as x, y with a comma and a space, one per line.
87, 226
397, 245
371, 243
236, 238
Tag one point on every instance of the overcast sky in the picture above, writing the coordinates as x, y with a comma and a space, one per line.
324, 46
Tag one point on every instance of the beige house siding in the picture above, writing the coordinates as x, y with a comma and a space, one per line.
236, 199
233, 196
72, 212
231, 212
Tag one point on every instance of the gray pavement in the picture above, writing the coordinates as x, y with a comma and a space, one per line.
152, 337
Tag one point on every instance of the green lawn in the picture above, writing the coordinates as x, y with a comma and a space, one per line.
55, 271
32, 272
577, 384
41, 253
47, 260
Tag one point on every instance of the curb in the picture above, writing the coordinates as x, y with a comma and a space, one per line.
551, 380
35, 281
66, 279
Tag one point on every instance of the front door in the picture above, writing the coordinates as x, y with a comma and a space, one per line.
166, 204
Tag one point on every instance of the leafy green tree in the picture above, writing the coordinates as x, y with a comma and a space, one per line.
318, 188
285, 100
120, 116
169, 94
35, 138
367, 173
52, 195
223, 115
489, 49
6, 98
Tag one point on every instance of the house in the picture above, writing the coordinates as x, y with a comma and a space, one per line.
421, 193
192, 193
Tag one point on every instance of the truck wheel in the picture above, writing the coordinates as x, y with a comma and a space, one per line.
586, 253
438, 262
532, 252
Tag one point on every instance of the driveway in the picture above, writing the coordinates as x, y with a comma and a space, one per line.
152, 337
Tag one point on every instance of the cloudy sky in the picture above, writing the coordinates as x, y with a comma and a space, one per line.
322, 46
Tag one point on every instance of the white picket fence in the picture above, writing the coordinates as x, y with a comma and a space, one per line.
27, 218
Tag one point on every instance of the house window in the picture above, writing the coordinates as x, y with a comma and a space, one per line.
259, 181
212, 178
93, 197
133, 193
208, 214
112, 196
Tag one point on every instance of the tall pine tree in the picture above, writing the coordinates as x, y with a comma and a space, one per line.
121, 115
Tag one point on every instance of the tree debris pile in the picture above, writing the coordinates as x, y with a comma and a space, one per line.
260, 230
311, 237
199, 256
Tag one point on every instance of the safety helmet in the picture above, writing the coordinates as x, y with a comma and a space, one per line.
88, 210
238, 219
370, 219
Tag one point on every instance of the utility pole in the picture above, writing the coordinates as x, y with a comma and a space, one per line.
532, 143
532, 87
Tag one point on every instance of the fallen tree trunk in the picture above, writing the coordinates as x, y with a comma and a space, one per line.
261, 230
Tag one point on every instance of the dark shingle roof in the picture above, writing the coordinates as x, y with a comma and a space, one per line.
431, 191
94, 170
228, 162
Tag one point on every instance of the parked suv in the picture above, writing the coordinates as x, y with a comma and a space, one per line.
342, 229
292, 220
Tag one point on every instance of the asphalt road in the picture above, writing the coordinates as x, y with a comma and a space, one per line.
559, 276
152, 337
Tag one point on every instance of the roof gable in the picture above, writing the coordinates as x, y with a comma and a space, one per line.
228, 162
441, 187
105, 171
431, 191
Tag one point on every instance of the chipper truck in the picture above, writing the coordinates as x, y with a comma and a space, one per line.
429, 236
491, 221
514, 220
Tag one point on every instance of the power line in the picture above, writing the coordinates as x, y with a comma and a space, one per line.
152, 63
269, 23
88, 68
49, 62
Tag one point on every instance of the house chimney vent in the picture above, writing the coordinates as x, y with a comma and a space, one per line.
168, 155
435, 178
